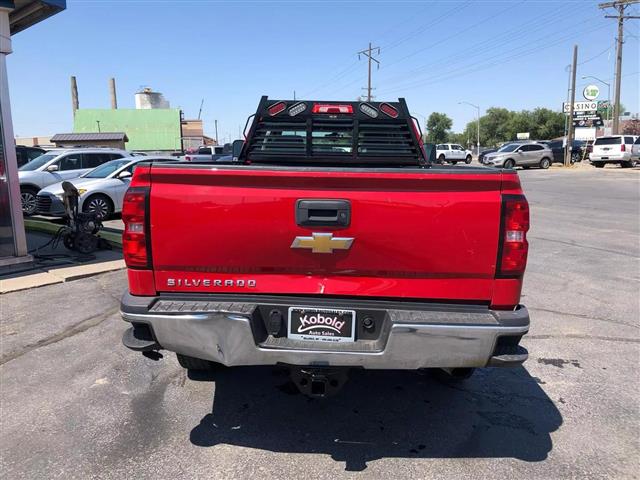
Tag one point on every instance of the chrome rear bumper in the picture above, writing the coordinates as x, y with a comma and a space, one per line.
442, 336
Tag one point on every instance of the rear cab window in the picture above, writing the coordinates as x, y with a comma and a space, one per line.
608, 141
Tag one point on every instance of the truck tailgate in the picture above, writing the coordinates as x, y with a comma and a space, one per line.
422, 234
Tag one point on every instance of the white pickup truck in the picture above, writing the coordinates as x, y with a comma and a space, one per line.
452, 153
211, 153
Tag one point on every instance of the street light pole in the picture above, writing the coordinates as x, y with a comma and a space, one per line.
608, 93
478, 124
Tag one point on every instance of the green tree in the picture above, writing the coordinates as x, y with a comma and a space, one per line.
438, 126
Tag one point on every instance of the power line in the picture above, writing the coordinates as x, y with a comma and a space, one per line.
481, 66
489, 44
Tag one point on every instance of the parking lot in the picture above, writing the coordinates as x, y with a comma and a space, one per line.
77, 404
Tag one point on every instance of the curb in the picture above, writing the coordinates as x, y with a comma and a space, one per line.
113, 237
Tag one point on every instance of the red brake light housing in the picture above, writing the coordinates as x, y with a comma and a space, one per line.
513, 247
276, 108
332, 108
623, 148
389, 110
136, 246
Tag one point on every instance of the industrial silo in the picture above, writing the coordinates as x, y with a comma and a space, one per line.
148, 99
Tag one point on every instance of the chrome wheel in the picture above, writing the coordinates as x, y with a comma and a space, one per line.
98, 205
545, 163
28, 199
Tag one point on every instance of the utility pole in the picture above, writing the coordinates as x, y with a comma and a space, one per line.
74, 96
112, 93
216, 123
620, 6
569, 145
369, 54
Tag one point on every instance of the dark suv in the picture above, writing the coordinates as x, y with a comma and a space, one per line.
26, 154
577, 152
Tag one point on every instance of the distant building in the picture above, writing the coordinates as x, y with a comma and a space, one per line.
38, 141
96, 139
151, 130
193, 135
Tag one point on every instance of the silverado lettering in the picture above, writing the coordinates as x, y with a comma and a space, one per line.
408, 264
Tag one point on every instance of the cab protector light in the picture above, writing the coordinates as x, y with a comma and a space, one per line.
368, 110
276, 108
297, 108
512, 256
329, 108
134, 238
389, 110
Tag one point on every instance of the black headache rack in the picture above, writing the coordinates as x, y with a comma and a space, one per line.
294, 132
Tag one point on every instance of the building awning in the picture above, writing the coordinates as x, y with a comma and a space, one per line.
29, 12
90, 137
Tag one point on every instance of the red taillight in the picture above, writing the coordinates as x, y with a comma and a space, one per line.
623, 148
512, 257
276, 108
329, 108
187, 158
134, 237
389, 110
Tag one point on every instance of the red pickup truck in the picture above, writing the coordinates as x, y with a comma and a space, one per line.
331, 242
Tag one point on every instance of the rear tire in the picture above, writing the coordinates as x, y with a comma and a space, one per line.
575, 157
441, 159
598, 164
545, 163
510, 163
467, 160
192, 363
629, 164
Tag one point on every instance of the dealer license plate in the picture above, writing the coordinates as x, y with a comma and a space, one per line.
321, 324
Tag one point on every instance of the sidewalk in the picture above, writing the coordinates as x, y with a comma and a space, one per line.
53, 263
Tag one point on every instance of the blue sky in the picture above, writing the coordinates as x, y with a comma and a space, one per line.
434, 53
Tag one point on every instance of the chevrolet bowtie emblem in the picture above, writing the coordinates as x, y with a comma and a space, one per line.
322, 243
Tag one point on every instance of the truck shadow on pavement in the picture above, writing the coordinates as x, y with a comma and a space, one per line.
379, 414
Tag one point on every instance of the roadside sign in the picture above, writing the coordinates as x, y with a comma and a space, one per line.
591, 92
588, 133
580, 107
587, 119
522, 136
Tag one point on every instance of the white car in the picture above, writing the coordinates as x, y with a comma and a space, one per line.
101, 189
453, 153
57, 165
635, 149
613, 149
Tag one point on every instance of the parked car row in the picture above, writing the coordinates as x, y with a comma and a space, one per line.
101, 175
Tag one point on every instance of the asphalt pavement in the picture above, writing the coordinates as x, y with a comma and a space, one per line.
76, 404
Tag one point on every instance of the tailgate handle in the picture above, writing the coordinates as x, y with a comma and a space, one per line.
323, 213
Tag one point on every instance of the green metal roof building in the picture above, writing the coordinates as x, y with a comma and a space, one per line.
147, 129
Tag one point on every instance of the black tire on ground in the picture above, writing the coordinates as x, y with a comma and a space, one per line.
441, 159
575, 157
28, 199
467, 160
100, 204
598, 164
629, 164
545, 163
192, 363
510, 163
